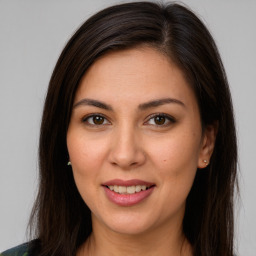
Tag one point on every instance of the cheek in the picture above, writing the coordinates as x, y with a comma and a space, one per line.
176, 159
176, 152
86, 154
177, 166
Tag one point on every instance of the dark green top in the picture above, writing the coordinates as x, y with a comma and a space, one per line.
21, 250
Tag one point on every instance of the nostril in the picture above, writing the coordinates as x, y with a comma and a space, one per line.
126, 155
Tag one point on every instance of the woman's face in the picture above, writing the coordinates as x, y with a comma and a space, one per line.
135, 141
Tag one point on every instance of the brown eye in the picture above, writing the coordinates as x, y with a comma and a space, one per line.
95, 120
98, 120
160, 120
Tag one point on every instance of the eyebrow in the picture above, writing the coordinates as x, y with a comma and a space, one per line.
159, 102
143, 106
95, 103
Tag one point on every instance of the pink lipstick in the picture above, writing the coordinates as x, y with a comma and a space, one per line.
127, 192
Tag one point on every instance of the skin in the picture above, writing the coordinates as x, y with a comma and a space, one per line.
130, 143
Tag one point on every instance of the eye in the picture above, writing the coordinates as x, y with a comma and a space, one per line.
96, 119
160, 120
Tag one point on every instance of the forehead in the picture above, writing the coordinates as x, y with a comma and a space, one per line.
139, 73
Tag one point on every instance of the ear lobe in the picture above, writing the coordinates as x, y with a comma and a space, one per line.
207, 146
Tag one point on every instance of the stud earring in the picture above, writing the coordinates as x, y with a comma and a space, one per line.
69, 163
205, 161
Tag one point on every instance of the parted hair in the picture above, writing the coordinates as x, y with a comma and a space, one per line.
60, 218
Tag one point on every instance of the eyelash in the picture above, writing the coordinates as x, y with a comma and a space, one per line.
167, 118
86, 118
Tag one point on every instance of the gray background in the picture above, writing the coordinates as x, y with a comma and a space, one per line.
32, 34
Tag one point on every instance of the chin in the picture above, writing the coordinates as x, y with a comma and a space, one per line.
129, 224
129, 229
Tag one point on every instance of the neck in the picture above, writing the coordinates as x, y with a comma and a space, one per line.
164, 241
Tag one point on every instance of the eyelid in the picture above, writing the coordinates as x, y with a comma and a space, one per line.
170, 118
91, 115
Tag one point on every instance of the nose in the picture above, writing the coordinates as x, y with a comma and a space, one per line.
126, 149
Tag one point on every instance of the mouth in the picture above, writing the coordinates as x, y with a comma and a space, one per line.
124, 190
128, 193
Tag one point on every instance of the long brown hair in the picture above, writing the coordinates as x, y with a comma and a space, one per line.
62, 219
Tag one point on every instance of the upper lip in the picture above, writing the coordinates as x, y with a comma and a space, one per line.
127, 183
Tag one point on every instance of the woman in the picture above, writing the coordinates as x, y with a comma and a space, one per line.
138, 146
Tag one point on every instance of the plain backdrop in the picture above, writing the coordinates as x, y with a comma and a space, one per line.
32, 35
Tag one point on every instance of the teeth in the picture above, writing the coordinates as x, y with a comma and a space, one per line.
137, 188
127, 190
122, 189
131, 190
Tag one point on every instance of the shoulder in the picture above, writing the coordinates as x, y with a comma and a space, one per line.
21, 250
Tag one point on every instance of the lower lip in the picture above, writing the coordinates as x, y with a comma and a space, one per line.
128, 199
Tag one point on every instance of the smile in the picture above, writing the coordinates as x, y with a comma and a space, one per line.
127, 193
128, 189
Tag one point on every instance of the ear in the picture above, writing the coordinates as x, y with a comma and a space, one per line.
207, 146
